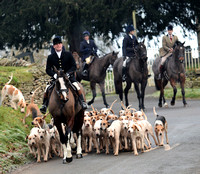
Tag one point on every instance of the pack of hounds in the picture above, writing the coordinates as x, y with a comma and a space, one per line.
102, 131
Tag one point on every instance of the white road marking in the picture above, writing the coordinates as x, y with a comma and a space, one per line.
167, 146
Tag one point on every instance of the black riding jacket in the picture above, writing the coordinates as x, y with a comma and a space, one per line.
66, 62
128, 46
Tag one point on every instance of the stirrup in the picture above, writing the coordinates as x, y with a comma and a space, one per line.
84, 105
85, 73
124, 78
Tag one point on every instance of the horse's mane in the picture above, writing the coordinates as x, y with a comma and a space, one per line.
104, 55
178, 43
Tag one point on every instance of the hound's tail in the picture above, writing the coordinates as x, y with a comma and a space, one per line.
32, 98
10, 79
154, 111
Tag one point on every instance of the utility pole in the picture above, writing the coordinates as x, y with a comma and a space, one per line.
134, 22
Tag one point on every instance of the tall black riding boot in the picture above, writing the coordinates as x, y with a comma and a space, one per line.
43, 109
82, 101
124, 73
85, 69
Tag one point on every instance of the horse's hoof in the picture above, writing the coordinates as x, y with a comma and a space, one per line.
69, 160
64, 161
172, 103
107, 105
78, 156
160, 105
185, 104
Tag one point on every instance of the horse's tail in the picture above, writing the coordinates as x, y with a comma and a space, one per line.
156, 84
10, 79
32, 98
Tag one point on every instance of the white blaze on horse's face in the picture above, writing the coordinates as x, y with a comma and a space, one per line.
63, 87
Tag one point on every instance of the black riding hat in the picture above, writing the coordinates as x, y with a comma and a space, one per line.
86, 33
170, 27
57, 40
129, 28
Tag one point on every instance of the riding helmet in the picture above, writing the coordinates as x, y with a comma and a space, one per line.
170, 27
57, 40
86, 33
129, 28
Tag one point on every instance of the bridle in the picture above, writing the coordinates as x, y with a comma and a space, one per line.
60, 92
142, 55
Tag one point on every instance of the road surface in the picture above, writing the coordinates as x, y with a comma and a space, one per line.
182, 156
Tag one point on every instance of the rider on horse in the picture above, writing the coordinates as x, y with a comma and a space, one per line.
128, 49
61, 60
87, 49
168, 42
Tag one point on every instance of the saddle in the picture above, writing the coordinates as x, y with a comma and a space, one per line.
89, 59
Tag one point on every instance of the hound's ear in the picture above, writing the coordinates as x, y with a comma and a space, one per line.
143, 41
26, 137
113, 53
183, 43
55, 69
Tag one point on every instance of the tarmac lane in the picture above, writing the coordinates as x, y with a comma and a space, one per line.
181, 156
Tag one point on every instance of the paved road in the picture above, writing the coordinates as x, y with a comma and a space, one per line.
181, 157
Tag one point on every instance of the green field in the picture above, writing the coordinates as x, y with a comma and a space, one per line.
190, 93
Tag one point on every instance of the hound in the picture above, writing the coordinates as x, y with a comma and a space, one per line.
44, 143
15, 95
33, 143
98, 135
87, 132
55, 144
160, 126
41, 123
32, 108
114, 134
104, 125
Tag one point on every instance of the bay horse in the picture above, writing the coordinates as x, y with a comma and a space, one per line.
65, 109
97, 73
137, 73
174, 72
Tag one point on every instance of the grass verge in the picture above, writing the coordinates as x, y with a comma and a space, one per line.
191, 93
21, 75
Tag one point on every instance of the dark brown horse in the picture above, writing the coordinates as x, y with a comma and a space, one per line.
65, 108
97, 74
137, 73
174, 72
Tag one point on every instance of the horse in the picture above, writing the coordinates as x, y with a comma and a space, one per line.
65, 109
97, 74
174, 72
137, 73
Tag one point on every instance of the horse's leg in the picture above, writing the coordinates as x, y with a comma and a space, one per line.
164, 101
93, 88
138, 94
182, 83
161, 93
173, 84
119, 88
62, 138
67, 148
128, 86
143, 87
103, 93
79, 149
